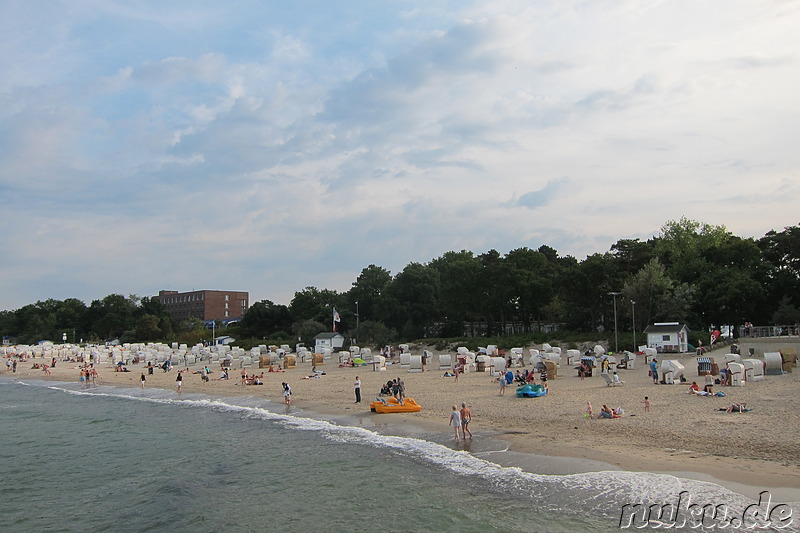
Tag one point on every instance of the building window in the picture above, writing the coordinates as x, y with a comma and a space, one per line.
227, 297
227, 314
665, 338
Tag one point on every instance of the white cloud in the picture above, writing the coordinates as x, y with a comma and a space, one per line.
257, 149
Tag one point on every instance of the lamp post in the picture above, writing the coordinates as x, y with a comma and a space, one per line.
358, 317
616, 333
633, 319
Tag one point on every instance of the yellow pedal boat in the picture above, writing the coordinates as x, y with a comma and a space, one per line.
393, 405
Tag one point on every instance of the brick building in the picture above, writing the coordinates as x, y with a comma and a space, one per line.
205, 305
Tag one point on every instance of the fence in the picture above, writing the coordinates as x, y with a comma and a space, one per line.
769, 331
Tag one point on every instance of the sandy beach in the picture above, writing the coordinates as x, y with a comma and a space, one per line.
682, 434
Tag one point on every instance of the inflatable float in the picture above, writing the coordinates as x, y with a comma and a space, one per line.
531, 391
392, 405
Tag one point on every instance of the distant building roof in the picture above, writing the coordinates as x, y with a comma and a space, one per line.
328, 335
665, 328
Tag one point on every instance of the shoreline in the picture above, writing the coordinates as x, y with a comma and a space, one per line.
559, 434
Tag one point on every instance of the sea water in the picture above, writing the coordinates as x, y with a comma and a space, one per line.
80, 458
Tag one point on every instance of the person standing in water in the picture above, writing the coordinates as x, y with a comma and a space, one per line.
466, 418
455, 421
287, 393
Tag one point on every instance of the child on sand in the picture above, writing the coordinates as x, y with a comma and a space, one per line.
646, 403
589, 410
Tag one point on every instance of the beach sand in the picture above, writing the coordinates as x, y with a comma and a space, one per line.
683, 434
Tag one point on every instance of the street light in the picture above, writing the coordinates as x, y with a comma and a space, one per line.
357, 319
633, 319
616, 333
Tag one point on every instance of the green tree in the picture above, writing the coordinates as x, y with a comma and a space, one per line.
781, 254
265, 318
413, 298
314, 304
459, 296
368, 290
147, 329
306, 330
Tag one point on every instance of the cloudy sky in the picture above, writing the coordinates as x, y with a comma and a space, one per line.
270, 146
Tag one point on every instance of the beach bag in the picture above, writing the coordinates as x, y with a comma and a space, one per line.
650, 373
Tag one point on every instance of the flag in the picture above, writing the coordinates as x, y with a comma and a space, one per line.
336, 318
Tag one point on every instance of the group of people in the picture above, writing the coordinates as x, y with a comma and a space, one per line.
527, 376
394, 387
88, 373
523, 378
459, 420
708, 388
252, 379
607, 412
42, 366
11, 365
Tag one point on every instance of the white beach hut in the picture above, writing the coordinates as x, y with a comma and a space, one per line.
517, 356
497, 365
598, 350
378, 362
753, 369
671, 371
732, 358
415, 363
405, 359
573, 356
737, 374
445, 361
773, 363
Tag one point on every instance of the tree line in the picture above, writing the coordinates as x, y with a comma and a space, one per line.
691, 272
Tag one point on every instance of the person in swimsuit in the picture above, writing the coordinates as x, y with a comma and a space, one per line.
466, 417
455, 421
179, 381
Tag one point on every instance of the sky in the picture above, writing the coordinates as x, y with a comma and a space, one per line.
272, 146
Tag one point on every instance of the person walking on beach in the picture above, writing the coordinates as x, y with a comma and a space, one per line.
646, 403
179, 380
287, 393
502, 385
357, 388
455, 421
143, 379
466, 418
